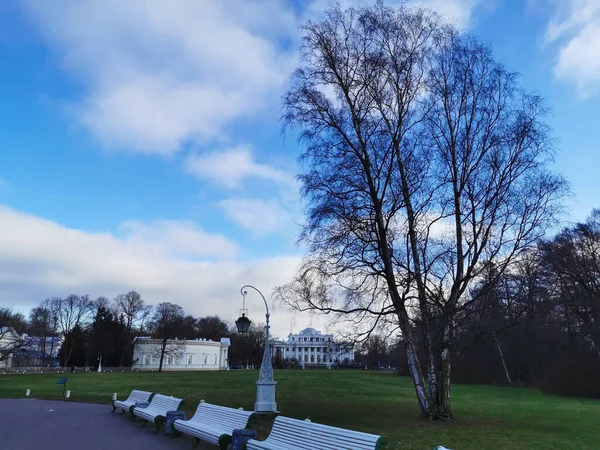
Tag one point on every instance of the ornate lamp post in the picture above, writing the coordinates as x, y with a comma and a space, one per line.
265, 386
100, 362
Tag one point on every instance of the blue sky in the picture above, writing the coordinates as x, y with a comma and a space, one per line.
141, 148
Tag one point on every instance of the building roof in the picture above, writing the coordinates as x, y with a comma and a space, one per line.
310, 331
7, 332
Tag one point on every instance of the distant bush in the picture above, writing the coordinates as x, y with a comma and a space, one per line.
574, 376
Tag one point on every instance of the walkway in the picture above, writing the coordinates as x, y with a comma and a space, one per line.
30, 424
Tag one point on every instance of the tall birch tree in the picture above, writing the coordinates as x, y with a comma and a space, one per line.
424, 164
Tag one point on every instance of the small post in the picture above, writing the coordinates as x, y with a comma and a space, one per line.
27, 392
114, 396
68, 394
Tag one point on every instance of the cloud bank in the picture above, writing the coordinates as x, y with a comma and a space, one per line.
575, 28
162, 260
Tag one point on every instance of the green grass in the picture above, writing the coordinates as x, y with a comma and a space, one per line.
381, 403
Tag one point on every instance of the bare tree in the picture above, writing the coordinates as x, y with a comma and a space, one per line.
11, 328
166, 321
43, 325
573, 257
72, 311
212, 327
426, 163
135, 315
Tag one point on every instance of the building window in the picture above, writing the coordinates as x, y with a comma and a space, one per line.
147, 359
169, 360
318, 349
205, 359
216, 357
190, 359
312, 358
305, 358
319, 359
287, 349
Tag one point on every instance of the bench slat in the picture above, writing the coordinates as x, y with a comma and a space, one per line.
159, 406
134, 396
210, 422
303, 435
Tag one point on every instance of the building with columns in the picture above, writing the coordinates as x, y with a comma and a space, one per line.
312, 348
199, 354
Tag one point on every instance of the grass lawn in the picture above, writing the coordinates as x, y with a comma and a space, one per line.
381, 403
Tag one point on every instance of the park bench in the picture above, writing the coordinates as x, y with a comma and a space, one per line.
293, 434
213, 423
129, 403
157, 410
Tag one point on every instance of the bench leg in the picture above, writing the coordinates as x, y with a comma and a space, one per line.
145, 423
122, 411
114, 408
197, 441
158, 422
224, 441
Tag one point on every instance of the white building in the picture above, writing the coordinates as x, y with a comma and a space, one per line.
9, 341
311, 347
199, 354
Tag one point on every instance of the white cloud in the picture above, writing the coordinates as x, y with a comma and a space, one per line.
177, 239
233, 165
459, 12
157, 74
260, 217
576, 29
40, 259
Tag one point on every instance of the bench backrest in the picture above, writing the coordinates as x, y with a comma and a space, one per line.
139, 396
164, 403
220, 416
324, 437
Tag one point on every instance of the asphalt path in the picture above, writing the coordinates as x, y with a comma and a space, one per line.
30, 424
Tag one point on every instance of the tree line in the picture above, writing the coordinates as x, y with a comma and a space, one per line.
534, 325
86, 328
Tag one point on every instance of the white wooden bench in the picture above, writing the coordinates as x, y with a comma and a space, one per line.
129, 402
213, 423
157, 410
293, 434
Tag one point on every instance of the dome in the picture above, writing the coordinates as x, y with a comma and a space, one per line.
309, 331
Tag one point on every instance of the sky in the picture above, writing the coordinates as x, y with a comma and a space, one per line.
141, 144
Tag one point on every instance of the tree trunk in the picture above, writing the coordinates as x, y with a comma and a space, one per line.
162, 354
499, 348
66, 353
70, 348
127, 345
49, 357
442, 408
417, 377
414, 366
